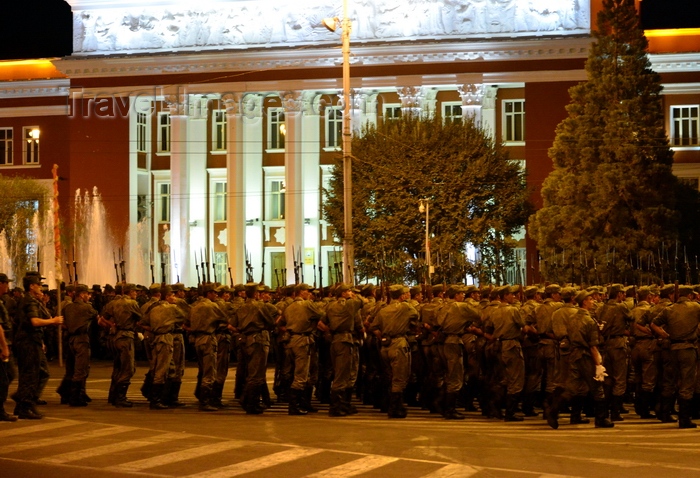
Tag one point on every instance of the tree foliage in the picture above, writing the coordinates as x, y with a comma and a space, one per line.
610, 202
476, 195
23, 203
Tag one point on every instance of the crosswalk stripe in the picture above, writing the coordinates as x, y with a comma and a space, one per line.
258, 463
177, 456
450, 471
112, 448
37, 428
64, 439
355, 467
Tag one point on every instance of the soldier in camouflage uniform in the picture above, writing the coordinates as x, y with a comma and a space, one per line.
343, 322
28, 341
533, 371
254, 320
645, 354
391, 326
123, 314
548, 349
78, 317
7, 365
680, 325
586, 372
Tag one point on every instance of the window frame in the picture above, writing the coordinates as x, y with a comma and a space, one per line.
219, 133
141, 132
451, 105
394, 108
164, 129
278, 127
7, 156
509, 119
219, 200
334, 125
674, 137
30, 146
160, 202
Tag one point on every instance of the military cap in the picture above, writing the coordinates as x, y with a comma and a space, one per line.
667, 290
567, 293
595, 289
252, 288
696, 288
178, 286
222, 289
615, 289
470, 289
456, 289
397, 290
154, 288
68, 288
531, 291
340, 288
644, 291
208, 287
654, 289
166, 289
80, 288
416, 289
239, 288
96, 288
32, 278
552, 289
582, 295
438, 289
685, 290
4, 278
108, 288
367, 289
126, 288
300, 287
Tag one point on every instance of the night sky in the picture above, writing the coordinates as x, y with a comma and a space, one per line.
43, 28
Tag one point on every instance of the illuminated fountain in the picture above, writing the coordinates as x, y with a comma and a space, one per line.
95, 248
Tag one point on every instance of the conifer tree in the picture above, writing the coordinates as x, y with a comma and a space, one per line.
610, 210
476, 195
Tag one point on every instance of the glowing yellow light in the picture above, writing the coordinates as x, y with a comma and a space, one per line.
677, 32
34, 133
28, 69
283, 129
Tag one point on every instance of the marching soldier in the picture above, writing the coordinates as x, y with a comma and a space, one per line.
7, 365
645, 354
548, 346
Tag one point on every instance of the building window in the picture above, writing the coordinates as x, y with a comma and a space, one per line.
452, 111
218, 135
219, 212
163, 204
392, 111
334, 127
5, 146
690, 182
141, 123
685, 123
275, 207
276, 128
31, 144
163, 132
221, 267
514, 120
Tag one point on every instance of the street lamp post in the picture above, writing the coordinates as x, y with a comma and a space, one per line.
424, 206
348, 240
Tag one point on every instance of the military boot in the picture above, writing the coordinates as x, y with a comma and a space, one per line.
511, 407
601, 415
76, 396
350, 409
451, 412
685, 414
576, 410
336, 409
295, 402
120, 400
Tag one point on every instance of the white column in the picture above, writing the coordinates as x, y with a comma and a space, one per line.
235, 173
311, 150
488, 110
293, 211
472, 98
179, 191
197, 188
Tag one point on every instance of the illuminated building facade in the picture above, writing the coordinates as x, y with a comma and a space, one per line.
215, 126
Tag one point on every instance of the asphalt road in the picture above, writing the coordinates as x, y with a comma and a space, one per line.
100, 440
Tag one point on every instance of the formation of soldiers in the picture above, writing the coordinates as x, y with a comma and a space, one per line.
508, 350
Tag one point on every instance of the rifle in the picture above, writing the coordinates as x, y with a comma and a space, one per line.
296, 267
70, 277
196, 267
213, 266
277, 279
122, 265
201, 264
153, 275
262, 274
675, 291
230, 276
301, 264
75, 267
162, 272
314, 276
116, 271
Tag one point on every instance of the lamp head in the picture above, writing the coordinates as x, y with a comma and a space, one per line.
330, 23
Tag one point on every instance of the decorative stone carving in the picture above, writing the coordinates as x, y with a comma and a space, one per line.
471, 94
411, 99
265, 23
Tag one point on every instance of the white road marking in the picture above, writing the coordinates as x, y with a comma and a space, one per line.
65, 439
355, 467
177, 456
111, 448
37, 428
450, 471
258, 463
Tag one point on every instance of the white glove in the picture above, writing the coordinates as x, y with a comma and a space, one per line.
140, 335
600, 373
